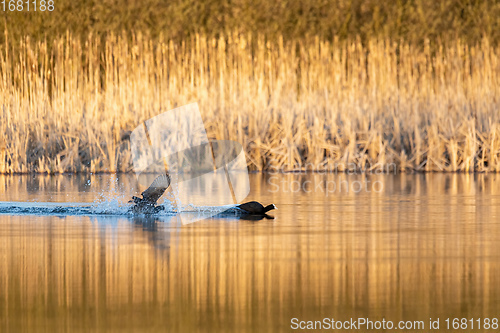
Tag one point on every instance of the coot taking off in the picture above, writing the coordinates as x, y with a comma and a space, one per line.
147, 204
254, 207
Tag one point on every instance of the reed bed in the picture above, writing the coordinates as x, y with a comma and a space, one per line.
322, 105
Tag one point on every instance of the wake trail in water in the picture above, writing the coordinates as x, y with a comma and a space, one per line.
102, 208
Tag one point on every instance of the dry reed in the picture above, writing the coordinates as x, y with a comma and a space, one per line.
321, 106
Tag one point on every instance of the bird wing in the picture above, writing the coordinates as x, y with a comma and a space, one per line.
156, 189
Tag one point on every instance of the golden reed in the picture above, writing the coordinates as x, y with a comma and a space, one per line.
323, 105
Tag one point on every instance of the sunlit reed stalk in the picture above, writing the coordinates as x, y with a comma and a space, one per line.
327, 105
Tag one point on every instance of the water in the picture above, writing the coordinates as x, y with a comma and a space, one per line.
405, 247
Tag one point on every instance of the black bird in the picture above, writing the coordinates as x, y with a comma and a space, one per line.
256, 208
147, 204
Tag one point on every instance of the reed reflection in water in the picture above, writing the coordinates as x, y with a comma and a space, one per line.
425, 246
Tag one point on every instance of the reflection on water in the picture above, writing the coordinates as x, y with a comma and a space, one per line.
422, 246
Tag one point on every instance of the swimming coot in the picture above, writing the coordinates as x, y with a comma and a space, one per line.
254, 207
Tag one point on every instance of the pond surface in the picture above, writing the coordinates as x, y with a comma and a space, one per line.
393, 247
